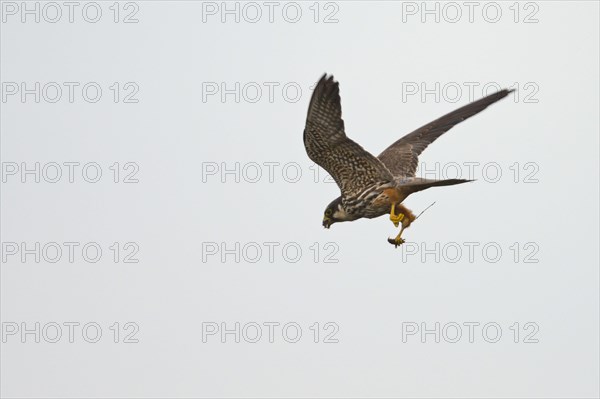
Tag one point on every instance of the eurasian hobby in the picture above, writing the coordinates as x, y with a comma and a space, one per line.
371, 186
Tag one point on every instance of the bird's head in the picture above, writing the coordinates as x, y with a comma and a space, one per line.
335, 213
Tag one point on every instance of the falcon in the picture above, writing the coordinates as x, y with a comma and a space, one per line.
374, 186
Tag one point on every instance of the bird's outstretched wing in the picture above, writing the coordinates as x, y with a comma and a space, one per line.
352, 168
401, 158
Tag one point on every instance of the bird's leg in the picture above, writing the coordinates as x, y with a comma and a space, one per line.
407, 218
395, 218
398, 240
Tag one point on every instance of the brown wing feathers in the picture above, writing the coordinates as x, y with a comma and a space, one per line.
326, 143
348, 163
401, 158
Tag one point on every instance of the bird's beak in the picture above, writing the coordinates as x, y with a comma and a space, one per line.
327, 222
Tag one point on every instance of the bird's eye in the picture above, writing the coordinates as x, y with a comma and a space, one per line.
328, 212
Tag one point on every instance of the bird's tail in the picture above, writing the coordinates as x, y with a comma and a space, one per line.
419, 184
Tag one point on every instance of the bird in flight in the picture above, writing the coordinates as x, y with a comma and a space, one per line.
374, 186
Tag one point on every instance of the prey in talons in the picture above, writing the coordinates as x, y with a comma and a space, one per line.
406, 217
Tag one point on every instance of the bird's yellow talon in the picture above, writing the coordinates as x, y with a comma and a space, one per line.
396, 241
396, 219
